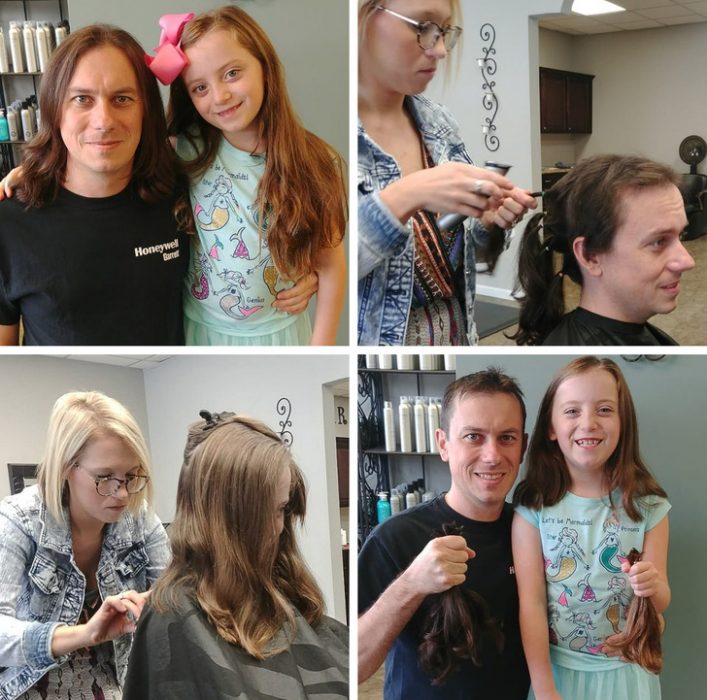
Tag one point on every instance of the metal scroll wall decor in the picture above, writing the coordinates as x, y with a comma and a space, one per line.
490, 99
284, 408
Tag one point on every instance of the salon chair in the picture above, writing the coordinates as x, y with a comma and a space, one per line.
694, 194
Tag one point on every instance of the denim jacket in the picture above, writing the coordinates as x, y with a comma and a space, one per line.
41, 587
385, 246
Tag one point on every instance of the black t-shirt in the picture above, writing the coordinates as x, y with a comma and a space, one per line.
582, 327
392, 547
93, 271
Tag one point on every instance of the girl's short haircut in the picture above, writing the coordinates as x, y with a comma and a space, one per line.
548, 479
78, 418
226, 554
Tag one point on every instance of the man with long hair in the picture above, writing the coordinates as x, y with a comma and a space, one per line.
90, 252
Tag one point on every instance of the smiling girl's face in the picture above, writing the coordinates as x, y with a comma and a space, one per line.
225, 83
585, 421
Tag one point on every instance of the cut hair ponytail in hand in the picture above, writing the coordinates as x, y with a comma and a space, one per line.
458, 626
641, 636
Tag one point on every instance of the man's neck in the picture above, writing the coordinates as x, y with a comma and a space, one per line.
482, 512
95, 186
597, 303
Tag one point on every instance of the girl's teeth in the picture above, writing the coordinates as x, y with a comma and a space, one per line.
582, 443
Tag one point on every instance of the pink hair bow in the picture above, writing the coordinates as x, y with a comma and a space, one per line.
169, 60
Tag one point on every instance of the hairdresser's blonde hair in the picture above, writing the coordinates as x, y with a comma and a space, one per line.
226, 554
77, 418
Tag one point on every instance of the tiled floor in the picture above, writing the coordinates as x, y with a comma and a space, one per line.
372, 689
687, 324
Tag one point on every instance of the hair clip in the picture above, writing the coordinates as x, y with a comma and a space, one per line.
214, 419
169, 59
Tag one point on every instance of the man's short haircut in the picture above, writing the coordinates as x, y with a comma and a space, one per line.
489, 381
587, 201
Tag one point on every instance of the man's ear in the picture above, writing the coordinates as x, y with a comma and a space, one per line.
588, 263
441, 438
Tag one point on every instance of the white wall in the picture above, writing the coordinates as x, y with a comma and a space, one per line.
31, 385
518, 119
177, 390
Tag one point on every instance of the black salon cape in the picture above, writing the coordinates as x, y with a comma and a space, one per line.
179, 656
582, 327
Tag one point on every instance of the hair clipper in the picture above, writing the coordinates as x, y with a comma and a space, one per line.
449, 221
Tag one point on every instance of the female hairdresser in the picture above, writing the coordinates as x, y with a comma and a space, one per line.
417, 283
77, 552
237, 614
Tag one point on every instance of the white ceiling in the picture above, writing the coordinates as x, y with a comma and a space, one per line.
134, 361
640, 14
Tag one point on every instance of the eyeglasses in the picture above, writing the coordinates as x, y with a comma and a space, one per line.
110, 485
429, 33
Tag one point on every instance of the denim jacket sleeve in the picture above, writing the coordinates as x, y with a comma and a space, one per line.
380, 234
22, 642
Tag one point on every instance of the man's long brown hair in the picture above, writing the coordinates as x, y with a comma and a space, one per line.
301, 199
155, 168
226, 555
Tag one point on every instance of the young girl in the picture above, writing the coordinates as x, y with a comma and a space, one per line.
588, 498
237, 614
268, 197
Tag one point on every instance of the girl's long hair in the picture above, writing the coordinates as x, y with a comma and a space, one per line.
586, 202
226, 554
548, 479
301, 198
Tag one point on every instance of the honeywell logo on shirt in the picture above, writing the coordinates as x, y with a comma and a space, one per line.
169, 250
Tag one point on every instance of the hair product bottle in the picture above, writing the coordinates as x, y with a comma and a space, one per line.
385, 361
395, 506
389, 426
4, 127
18, 64
405, 361
420, 427
383, 507
30, 53
432, 425
13, 124
43, 45
405, 419
4, 63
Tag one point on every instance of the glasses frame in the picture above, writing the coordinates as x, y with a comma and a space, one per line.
452, 30
98, 480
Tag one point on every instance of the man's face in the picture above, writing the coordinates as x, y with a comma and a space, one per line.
484, 448
101, 123
640, 274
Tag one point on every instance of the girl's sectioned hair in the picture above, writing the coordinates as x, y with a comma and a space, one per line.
226, 555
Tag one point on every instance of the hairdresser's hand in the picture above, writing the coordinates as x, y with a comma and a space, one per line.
451, 187
10, 181
643, 577
509, 210
295, 299
440, 565
116, 616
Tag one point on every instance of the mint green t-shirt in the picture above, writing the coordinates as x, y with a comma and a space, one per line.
584, 541
232, 280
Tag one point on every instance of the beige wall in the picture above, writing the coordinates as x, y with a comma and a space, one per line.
649, 90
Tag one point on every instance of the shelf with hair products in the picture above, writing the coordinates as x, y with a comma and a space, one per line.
394, 459
26, 43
